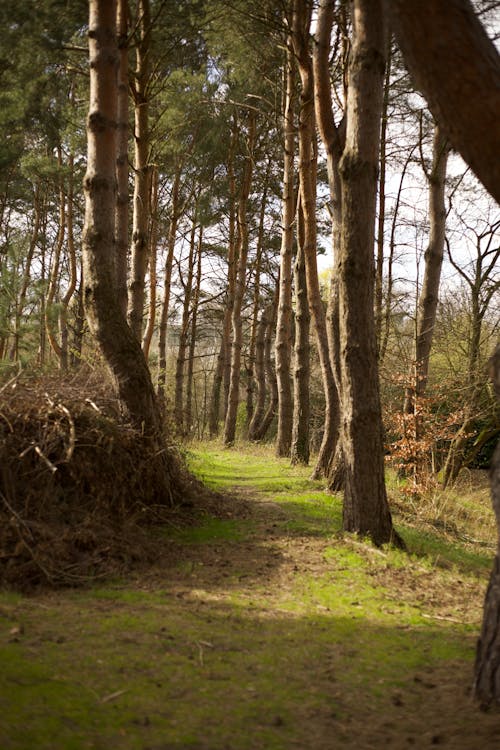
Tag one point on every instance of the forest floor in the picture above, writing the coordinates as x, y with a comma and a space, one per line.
261, 627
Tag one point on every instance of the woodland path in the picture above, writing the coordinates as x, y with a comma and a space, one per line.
261, 628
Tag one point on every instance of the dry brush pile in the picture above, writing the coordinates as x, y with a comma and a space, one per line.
78, 487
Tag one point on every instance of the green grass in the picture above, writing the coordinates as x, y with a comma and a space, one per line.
254, 659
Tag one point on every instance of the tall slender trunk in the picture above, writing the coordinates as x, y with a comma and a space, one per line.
301, 360
192, 339
140, 243
365, 509
250, 362
262, 429
429, 296
260, 372
307, 182
65, 301
56, 262
240, 286
331, 463
121, 216
379, 269
283, 326
223, 366
153, 254
184, 331
162, 328
21, 301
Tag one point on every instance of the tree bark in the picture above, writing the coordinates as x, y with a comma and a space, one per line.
307, 182
65, 301
429, 296
260, 372
153, 258
283, 325
365, 509
457, 68
121, 217
301, 361
163, 324
121, 349
270, 413
240, 286
487, 667
223, 366
184, 331
192, 340
140, 240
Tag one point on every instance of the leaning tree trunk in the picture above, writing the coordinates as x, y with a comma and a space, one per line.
365, 509
487, 668
307, 182
120, 347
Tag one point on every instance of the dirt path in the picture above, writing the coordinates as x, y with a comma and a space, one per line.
260, 629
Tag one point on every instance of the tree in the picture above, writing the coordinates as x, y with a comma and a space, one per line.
283, 326
365, 508
428, 299
459, 77
120, 347
487, 667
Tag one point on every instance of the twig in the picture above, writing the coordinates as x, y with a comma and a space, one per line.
439, 617
112, 696
50, 465
72, 431
12, 380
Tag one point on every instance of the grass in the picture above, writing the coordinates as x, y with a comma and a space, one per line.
274, 631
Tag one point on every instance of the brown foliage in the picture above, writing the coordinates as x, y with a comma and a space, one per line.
78, 486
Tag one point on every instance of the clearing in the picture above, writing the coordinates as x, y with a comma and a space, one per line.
261, 627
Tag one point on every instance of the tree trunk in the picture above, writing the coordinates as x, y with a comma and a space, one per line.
120, 347
121, 217
365, 509
140, 243
153, 256
270, 413
299, 453
283, 326
183, 335
192, 340
223, 366
487, 667
260, 372
429, 296
307, 181
379, 270
162, 328
250, 365
457, 68
56, 263
63, 312
37, 208
242, 253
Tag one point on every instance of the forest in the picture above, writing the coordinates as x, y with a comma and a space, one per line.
249, 374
